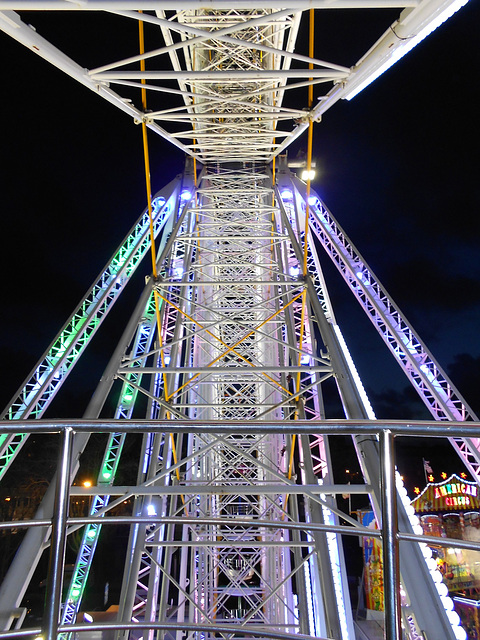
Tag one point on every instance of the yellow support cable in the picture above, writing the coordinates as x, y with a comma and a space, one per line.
311, 40
273, 202
148, 181
146, 158
307, 215
231, 348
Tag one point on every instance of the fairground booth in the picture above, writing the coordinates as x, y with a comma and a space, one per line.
451, 509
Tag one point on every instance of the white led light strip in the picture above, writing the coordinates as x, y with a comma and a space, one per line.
403, 46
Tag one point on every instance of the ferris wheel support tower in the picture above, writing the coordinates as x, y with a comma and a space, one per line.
235, 326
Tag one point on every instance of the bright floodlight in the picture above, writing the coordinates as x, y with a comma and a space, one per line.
287, 194
308, 175
158, 203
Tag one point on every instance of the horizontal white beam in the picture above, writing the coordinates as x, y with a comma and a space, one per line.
213, 76
235, 371
218, 283
150, 5
12, 24
206, 489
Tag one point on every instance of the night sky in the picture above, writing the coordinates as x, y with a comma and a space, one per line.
398, 167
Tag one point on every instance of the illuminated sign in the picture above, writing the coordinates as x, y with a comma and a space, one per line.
461, 501
458, 488
453, 494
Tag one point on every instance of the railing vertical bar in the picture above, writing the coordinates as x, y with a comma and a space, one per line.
389, 536
58, 539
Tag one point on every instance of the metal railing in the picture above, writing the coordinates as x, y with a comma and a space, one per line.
385, 431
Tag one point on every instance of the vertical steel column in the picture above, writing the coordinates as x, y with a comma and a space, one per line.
391, 573
58, 539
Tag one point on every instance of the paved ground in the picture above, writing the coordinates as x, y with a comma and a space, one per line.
369, 630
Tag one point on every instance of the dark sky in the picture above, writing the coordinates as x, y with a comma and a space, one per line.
398, 168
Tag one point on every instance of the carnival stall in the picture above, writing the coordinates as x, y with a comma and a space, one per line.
451, 509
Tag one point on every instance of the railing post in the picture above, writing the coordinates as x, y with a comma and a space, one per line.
58, 538
389, 536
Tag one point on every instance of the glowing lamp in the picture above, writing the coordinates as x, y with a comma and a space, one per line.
158, 203
87, 617
75, 592
186, 194
107, 475
460, 633
151, 511
312, 200
436, 576
287, 194
308, 175
410, 510
447, 603
453, 617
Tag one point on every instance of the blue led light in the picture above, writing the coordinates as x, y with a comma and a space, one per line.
158, 203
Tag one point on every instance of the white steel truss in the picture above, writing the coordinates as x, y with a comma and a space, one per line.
225, 338
219, 80
232, 320
237, 327
47, 377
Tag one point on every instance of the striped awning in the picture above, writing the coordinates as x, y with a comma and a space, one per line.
453, 494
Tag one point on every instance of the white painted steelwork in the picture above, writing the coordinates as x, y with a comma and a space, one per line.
37, 392
224, 73
224, 540
230, 321
425, 374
